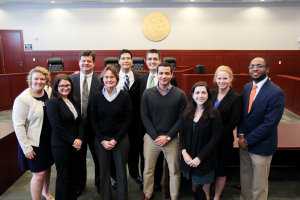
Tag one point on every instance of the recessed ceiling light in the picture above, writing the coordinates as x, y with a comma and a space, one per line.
52, 1
262, 0
121, 0
192, 0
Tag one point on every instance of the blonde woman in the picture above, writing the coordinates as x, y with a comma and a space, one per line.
33, 131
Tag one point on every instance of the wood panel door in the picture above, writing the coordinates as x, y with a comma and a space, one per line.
12, 51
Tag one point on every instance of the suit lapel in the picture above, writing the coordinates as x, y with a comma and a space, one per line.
226, 98
94, 85
195, 136
143, 82
77, 86
261, 94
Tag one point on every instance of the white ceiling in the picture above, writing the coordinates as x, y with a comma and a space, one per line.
127, 1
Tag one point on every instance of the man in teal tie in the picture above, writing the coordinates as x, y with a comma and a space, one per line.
148, 80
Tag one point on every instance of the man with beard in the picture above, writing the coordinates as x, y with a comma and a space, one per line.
264, 103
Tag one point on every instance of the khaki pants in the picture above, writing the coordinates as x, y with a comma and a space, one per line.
172, 155
254, 176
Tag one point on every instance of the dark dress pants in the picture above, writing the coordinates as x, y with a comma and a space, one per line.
120, 156
88, 140
66, 161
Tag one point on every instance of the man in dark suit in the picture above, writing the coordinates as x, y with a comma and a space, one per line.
148, 80
264, 103
129, 82
90, 79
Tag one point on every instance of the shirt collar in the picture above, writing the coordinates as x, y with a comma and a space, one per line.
167, 90
116, 90
88, 76
150, 74
122, 74
261, 83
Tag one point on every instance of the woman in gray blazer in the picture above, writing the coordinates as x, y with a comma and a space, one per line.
33, 131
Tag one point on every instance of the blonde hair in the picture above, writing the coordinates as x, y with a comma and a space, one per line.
223, 68
41, 70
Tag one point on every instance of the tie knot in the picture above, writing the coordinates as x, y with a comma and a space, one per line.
126, 76
85, 77
254, 86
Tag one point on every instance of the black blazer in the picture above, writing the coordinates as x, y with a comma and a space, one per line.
65, 129
95, 87
231, 109
201, 143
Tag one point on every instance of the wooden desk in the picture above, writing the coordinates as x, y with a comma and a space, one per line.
9, 171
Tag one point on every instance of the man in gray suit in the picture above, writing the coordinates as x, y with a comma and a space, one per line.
86, 84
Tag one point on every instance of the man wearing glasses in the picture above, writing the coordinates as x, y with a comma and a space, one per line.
264, 103
148, 80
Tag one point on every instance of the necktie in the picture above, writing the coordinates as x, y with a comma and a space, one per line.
126, 83
252, 94
151, 83
85, 99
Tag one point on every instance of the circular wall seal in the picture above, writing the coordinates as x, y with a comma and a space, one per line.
156, 26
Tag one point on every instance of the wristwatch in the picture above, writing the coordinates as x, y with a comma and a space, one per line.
245, 143
168, 138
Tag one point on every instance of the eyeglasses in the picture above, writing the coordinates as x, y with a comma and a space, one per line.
258, 66
154, 59
124, 58
64, 86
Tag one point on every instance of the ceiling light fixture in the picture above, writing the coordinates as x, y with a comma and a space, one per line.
52, 1
262, 0
192, 0
121, 0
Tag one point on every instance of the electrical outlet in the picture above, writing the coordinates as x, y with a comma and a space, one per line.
33, 59
279, 62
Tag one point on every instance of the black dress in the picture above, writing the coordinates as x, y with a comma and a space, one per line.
43, 159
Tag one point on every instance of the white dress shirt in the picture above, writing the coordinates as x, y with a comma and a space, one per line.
154, 78
122, 79
259, 85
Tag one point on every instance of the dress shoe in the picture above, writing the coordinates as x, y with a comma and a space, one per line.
138, 179
157, 188
98, 190
114, 184
146, 198
79, 192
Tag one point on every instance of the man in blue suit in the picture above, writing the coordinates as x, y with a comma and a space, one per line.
264, 103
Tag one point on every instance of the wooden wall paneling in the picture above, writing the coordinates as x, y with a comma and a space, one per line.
296, 96
40, 60
9, 162
70, 59
101, 55
178, 75
210, 62
18, 84
287, 85
5, 93
239, 81
288, 64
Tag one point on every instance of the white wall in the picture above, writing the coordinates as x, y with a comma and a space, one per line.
230, 26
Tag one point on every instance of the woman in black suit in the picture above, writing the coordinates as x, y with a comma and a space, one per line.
111, 113
229, 104
199, 137
67, 136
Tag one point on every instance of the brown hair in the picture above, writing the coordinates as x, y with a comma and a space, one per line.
191, 108
87, 53
153, 51
113, 70
55, 94
41, 70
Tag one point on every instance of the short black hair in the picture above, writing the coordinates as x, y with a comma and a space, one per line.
153, 51
125, 51
165, 64
265, 60
87, 53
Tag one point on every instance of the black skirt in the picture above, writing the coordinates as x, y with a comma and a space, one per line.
43, 158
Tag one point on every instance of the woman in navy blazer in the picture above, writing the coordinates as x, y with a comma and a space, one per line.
67, 136
199, 137
230, 105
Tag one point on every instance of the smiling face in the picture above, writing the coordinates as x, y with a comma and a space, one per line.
109, 80
223, 80
164, 75
86, 64
153, 61
125, 61
258, 74
64, 88
200, 95
38, 81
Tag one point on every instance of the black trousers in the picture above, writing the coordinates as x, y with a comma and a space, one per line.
88, 140
66, 161
120, 156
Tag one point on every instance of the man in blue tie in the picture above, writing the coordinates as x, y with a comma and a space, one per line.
263, 107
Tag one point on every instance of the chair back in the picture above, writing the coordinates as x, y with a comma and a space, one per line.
112, 61
55, 64
172, 62
200, 69
138, 64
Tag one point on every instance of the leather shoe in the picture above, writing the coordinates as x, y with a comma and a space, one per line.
157, 188
98, 190
138, 179
114, 184
79, 192
146, 198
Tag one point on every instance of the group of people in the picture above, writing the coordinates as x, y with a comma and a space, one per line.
124, 116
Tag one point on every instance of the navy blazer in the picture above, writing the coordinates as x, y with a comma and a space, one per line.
201, 143
231, 108
260, 125
65, 129
95, 87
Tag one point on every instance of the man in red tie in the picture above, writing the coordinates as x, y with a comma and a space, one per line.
264, 103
